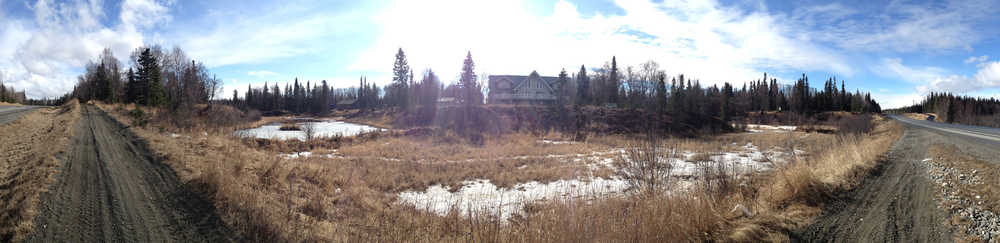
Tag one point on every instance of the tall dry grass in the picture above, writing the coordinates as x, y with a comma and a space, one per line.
31, 150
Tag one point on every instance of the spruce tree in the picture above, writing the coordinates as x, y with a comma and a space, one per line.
471, 95
582, 86
613, 82
401, 79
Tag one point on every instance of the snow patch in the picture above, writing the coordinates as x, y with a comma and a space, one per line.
555, 142
323, 129
482, 197
756, 128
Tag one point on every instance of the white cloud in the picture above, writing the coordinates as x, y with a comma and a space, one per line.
976, 60
933, 79
700, 39
987, 77
262, 73
900, 26
894, 68
896, 100
293, 30
40, 56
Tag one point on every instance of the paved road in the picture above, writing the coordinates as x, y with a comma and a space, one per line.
897, 203
11, 113
985, 135
112, 189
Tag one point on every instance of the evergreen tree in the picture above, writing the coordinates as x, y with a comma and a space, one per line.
401, 79
149, 85
471, 94
582, 86
661, 95
130, 87
613, 82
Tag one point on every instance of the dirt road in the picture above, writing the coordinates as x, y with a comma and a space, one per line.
111, 189
897, 203
11, 113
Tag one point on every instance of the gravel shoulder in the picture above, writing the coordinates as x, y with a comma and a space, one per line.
902, 200
894, 204
112, 189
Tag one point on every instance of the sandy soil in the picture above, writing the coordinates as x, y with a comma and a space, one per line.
112, 189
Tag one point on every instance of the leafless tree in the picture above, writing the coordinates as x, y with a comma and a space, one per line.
310, 131
647, 167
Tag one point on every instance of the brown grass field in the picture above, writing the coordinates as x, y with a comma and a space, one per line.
30, 157
347, 190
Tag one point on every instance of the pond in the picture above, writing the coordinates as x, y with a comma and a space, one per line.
321, 128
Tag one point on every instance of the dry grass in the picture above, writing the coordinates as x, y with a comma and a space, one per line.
290, 127
796, 192
922, 116
352, 196
32, 148
380, 118
9, 104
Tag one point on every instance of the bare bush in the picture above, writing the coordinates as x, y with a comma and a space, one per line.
310, 130
855, 124
646, 166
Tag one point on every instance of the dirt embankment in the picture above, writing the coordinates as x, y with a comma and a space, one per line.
112, 189
922, 116
30, 152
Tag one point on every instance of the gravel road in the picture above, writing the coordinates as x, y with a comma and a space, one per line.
897, 203
112, 189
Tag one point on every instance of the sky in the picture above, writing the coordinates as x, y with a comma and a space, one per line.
897, 50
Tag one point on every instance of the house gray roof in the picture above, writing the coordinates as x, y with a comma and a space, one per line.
517, 79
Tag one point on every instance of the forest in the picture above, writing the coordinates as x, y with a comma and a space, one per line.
958, 109
646, 89
169, 79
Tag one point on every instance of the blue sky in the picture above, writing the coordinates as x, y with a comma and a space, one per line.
898, 50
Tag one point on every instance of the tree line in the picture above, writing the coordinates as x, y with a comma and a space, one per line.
645, 88
154, 77
9, 95
405, 94
958, 109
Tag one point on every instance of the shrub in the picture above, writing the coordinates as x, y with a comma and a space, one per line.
290, 127
646, 166
139, 117
855, 124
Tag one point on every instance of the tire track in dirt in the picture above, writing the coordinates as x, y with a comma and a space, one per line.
894, 204
112, 189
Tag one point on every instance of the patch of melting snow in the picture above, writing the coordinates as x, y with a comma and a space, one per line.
323, 129
755, 128
481, 196
296, 155
555, 142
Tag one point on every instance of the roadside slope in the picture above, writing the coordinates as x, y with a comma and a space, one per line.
30, 152
112, 190
12, 113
